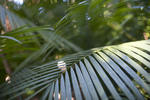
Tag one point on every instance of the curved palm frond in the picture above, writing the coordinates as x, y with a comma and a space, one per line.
20, 36
111, 72
53, 41
49, 36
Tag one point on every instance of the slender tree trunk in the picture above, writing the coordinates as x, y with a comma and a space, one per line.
145, 36
8, 28
6, 64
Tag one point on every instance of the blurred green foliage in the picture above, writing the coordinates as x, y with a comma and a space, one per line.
86, 23
40, 31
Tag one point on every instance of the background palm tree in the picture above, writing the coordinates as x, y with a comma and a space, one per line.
40, 31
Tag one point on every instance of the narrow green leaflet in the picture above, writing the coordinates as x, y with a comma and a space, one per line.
11, 38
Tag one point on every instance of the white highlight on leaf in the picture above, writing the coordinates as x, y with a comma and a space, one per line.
11, 38
7, 79
62, 65
20, 2
59, 97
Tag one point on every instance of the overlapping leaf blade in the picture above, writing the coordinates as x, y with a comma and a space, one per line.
100, 73
52, 41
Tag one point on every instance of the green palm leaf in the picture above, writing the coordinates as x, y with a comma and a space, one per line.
111, 72
52, 41
49, 36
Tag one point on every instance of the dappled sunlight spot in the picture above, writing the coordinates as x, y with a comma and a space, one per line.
58, 56
20, 2
107, 13
7, 79
59, 97
29, 91
61, 65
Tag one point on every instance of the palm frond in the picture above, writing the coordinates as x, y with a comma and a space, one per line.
11, 38
111, 72
49, 36
53, 41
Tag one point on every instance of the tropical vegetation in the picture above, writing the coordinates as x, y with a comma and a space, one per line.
75, 49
